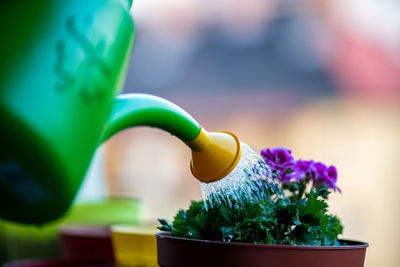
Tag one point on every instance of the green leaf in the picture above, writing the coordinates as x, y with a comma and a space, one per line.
165, 226
228, 233
314, 205
227, 214
333, 229
195, 208
306, 235
194, 232
323, 191
179, 224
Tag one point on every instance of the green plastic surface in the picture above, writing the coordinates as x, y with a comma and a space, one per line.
57, 91
62, 65
147, 110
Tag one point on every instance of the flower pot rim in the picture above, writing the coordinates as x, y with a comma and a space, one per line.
85, 231
354, 244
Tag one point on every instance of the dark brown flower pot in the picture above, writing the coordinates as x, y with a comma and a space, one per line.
53, 263
182, 252
89, 244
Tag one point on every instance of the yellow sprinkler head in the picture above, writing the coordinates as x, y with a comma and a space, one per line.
214, 155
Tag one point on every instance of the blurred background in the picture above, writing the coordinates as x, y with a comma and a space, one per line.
321, 77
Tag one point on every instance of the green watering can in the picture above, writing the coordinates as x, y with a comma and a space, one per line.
62, 65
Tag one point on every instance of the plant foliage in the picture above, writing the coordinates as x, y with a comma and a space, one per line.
300, 217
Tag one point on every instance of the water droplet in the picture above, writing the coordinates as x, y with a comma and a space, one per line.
251, 180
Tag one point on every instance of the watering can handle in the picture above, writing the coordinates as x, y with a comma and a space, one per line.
147, 110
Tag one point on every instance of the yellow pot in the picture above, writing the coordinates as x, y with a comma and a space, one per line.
135, 245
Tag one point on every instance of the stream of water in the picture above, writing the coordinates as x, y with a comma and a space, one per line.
251, 180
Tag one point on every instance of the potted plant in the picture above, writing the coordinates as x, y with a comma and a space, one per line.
290, 229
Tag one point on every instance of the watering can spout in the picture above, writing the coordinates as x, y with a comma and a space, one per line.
214, 155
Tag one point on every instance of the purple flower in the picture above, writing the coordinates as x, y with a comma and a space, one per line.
279, 159
302, 169
332, 173
288, 169
320, 171
324, 176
